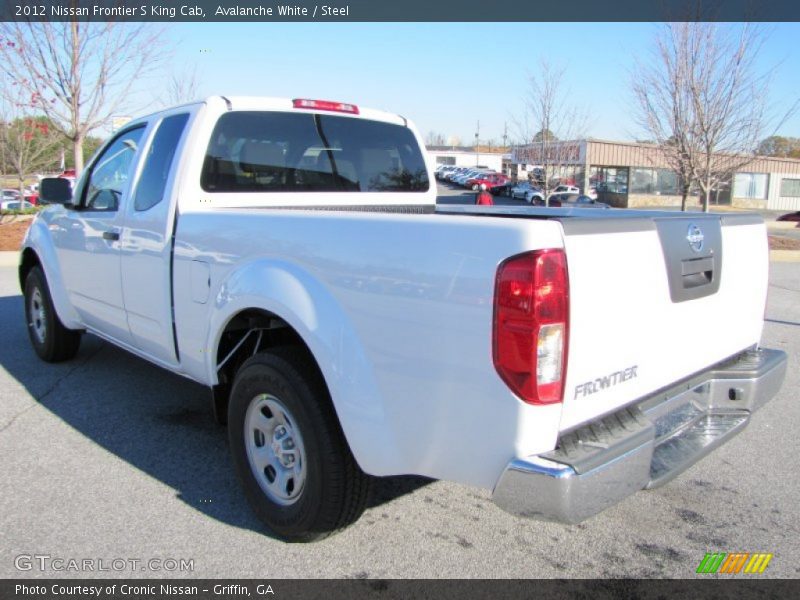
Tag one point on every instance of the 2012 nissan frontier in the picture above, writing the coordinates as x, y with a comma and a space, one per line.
289, 255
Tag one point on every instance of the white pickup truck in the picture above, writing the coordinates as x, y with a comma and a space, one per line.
290, 256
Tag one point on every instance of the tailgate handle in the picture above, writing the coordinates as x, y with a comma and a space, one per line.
696, 272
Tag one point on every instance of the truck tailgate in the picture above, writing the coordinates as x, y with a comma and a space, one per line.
655, 300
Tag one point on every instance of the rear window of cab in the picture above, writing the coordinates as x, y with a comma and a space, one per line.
257, 151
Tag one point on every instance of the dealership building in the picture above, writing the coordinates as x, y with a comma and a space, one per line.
467, 156
635, 175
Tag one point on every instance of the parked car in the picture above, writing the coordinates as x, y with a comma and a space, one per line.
528, 192
502, 190
466, 175
566, 189
795, 216
16, 205
443, 170
575, 201
450, 175
9, 194
485, 181
471, 173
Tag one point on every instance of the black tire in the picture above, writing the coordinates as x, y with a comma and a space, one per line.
50, 339
334, 490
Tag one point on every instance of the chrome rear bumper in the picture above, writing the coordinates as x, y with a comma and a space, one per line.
641, 446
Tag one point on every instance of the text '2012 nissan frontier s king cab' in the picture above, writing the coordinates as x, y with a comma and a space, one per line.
289, 255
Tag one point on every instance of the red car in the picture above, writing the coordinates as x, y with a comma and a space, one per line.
486, 181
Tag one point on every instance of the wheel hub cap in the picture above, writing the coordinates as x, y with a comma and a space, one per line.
275, 449
37, 320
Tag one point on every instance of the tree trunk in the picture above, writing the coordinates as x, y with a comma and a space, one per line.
684, 195
707, 199
77, 148
21, 188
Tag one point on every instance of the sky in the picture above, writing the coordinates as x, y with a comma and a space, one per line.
446, 77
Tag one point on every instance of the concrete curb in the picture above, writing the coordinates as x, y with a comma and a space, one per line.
784, 255
9, 259
782, 225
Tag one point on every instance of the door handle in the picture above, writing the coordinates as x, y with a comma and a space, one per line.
111, 235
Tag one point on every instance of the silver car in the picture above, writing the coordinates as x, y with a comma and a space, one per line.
527, 192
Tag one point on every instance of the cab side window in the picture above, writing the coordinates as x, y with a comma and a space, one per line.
158, 163
111, 172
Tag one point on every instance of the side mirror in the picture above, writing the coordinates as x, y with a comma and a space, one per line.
55, 190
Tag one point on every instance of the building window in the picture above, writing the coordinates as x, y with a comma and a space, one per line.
654, 181
609, 179
750, 185
790, 188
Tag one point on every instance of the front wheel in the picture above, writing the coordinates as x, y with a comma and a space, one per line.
50, 339
289, 450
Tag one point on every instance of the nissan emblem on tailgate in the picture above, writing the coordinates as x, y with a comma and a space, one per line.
695, 237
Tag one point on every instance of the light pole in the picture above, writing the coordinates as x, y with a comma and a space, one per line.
477, 132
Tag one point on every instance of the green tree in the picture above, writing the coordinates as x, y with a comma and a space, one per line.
28, 142
778, 145
545, 135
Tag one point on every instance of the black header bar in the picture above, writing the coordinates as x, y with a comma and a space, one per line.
400, 10
392, 589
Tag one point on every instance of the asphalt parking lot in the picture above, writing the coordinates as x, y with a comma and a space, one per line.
453, 194
108, 457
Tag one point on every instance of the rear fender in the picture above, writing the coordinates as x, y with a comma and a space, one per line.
294, 295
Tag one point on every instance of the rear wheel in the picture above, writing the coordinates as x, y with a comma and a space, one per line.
289, 450
50, 339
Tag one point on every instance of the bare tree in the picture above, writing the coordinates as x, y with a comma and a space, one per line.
549, 127
78, 74
28, 142
183, 87
663, 105
434, 138
707, 102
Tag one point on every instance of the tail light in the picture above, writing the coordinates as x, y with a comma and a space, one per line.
531, 325
325, 105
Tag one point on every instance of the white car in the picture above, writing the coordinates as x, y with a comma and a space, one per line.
561, 360
9, 194
571, 189
16, 205
566, 189
443, 170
